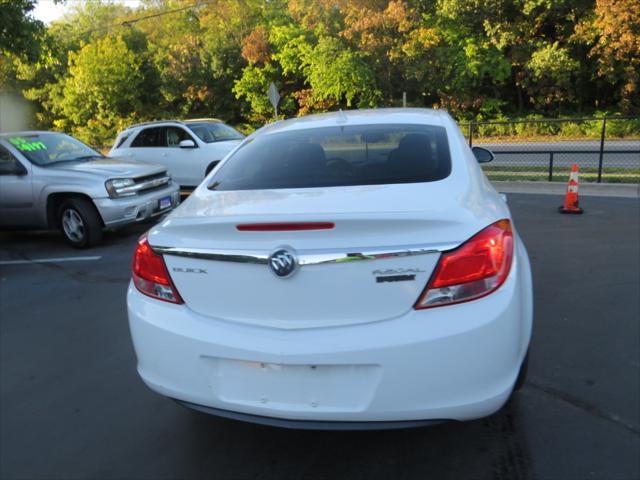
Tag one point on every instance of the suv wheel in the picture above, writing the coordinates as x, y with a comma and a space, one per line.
80, 223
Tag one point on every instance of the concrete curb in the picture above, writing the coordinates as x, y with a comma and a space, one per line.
624, 190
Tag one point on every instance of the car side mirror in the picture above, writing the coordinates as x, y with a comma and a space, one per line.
12, 168
483, 155
187, 144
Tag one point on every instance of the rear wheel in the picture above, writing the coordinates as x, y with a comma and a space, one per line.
211, 167
80, 223
520, 381
522, 375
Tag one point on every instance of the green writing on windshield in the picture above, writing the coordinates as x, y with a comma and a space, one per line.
26, 146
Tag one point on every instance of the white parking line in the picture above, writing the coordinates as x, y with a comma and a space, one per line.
49, 260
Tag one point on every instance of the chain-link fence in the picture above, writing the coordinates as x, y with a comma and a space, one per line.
605, 149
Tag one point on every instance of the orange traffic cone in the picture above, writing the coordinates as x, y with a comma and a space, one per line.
571, 197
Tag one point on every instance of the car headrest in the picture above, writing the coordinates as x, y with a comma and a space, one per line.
173, 138
306, 159
308, 153
416, 142
413, 156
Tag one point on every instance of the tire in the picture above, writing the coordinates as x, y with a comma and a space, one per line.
80, 223
520, 381
209, 168
522, 375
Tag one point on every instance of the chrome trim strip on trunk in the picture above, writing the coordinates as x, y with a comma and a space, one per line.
237, 256
307, 257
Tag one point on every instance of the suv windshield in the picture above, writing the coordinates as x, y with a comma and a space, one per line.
210, 132
47, 148
337, 156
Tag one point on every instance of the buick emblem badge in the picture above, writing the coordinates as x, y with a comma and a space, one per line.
283, 262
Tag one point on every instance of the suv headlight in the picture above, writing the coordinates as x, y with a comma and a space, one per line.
120, 187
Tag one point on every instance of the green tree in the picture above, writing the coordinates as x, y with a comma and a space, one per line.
41, 79
105, 64
20, 33
253, 86
101, 91
612, 33
337, 73
551, 71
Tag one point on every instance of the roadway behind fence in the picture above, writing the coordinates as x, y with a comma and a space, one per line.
607, 149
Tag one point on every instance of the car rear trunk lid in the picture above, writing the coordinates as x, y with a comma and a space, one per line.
371, 266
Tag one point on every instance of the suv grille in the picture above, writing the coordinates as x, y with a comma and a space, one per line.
153, 182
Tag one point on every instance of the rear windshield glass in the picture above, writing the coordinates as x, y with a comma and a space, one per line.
338, 156
210, 132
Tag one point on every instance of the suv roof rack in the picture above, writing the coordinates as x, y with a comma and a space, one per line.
173, 120
202, 120
154, 122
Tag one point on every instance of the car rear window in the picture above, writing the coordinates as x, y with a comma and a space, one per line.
338, 156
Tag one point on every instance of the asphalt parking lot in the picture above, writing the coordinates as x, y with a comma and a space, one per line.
72, 406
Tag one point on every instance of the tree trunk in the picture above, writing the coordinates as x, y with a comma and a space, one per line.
520, 101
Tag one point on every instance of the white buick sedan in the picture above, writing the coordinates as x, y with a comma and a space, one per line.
345, 270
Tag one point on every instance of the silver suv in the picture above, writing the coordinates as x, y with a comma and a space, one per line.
53, 181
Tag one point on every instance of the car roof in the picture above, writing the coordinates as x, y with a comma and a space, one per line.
196, 120
173, 122
28, 132
154, 122
381, 116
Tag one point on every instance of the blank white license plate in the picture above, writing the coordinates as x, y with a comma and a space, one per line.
295, 387
164, 202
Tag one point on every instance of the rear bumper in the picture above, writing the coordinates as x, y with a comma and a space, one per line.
448, 363
119, 212
309, 424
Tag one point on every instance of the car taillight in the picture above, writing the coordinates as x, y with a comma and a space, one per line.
150, 275
474, 269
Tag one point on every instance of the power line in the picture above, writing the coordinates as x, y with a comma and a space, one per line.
160, 14
128, 23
